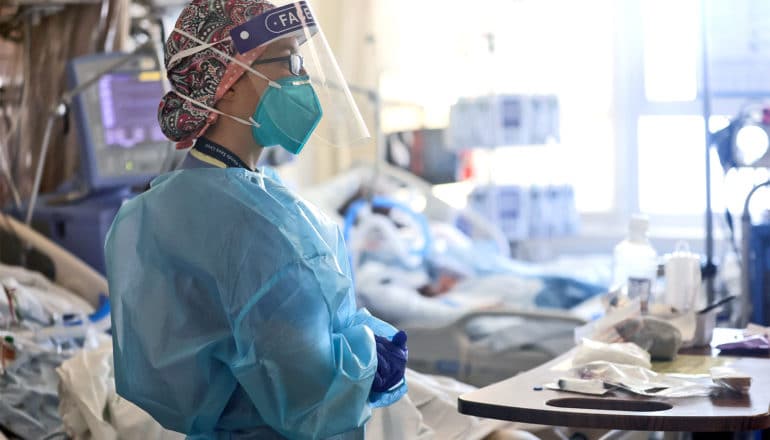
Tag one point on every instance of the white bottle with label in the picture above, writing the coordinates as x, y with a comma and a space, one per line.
635, 262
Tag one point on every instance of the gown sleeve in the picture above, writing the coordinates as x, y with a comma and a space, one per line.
305, 357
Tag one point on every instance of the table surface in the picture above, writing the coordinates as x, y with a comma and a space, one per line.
524, 399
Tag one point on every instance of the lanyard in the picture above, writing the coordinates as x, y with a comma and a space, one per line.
218, 153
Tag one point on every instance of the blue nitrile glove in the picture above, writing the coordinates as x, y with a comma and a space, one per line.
391, 361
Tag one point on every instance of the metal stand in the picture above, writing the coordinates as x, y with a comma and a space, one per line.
709, 270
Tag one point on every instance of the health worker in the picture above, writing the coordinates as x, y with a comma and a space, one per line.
234, 315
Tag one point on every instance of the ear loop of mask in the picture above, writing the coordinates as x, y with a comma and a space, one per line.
250, 122
204, 46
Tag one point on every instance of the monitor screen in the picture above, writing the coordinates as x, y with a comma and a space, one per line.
121, 141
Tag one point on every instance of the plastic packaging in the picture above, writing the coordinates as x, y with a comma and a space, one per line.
635, 262
731, 379
704, 328
757, 345
626, 353
659, 337
604, 329
643, 381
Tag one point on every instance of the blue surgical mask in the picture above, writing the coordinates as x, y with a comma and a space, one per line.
287, 116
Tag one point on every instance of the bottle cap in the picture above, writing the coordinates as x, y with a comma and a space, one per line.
639, 223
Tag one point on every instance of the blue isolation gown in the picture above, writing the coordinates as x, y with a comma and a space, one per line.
234, 314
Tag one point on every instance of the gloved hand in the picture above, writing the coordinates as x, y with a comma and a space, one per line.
391, 361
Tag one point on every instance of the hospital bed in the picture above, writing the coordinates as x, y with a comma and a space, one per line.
471, 334
62, 299
526, 339
44, 256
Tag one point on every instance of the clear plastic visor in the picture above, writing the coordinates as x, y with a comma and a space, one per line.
341, 124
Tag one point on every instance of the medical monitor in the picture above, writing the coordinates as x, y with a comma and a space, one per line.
121, 143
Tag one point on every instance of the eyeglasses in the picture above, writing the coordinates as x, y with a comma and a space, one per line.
295, 62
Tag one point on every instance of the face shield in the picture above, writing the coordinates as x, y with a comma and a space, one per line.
341, 124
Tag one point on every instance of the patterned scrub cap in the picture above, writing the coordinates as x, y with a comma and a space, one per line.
204, 75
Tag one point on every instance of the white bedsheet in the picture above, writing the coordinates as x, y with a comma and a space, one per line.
39, 299
429, 411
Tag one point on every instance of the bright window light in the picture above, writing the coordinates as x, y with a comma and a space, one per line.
431, 63
671, 30
672, 164
751, 143
738, 182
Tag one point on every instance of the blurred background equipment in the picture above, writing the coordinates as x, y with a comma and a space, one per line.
528, 212
74, 146
745, 143
113, 98
424, 153
493, 121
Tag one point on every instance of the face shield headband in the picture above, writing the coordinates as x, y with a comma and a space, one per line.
292, 20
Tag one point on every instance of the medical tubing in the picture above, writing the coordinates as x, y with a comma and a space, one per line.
66, 332
5, 166
40, 163
101, 312
386, 203
386, 227
9, 294
709, 276
99, 320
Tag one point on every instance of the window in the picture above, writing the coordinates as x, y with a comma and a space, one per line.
629, 80
670, 129
432, 54
670, 45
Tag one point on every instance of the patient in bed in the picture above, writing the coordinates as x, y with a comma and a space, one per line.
411, 271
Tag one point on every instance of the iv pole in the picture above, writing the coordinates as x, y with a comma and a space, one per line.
709, 270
